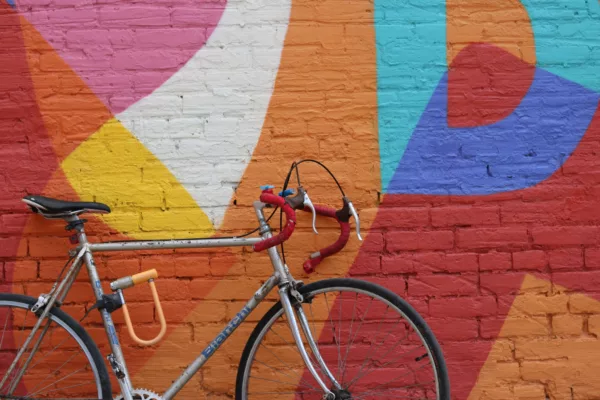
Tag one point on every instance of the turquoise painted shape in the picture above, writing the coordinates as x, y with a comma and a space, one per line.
566, 36
411, 59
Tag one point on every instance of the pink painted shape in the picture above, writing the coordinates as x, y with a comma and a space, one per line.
111, 43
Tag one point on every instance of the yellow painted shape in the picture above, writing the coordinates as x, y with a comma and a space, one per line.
556, 351
503, 23
112, 167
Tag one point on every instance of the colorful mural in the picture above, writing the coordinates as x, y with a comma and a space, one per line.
466, 132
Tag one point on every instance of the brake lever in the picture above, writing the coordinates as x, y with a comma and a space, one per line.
308, 203
355, 215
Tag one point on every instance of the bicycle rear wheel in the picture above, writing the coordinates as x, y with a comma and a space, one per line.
66, 363
373, 342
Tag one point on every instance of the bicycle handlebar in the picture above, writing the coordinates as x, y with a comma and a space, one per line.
288, 205
316, 257
268, 197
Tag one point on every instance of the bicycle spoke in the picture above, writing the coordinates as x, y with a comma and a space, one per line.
18, 351
312, 356
375, 340
32, 353
387, 335
51, 351
339, 338
4, 330
349, 333
412, 385
309, 391
53, 372
302, 381
61, 379
55, 364
337, 342
396, 378
354, 337
315, 338
384, 362
68, 387
312, 360
272, 380
367, 372
11, 378
391, 396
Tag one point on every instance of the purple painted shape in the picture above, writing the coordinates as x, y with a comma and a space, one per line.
515, 153
110, 43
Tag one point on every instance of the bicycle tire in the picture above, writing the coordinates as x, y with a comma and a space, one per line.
254, 342
73, 329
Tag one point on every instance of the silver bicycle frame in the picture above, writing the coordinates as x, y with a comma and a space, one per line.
281, 277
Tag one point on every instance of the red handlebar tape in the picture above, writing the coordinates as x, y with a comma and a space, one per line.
270, 198
340, 243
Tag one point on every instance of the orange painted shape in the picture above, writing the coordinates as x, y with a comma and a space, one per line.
503, 23
544, 344
70, 110
324, 106
330, 113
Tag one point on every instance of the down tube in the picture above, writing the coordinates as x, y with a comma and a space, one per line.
259, 296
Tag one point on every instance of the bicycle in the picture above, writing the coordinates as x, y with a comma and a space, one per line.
295, 351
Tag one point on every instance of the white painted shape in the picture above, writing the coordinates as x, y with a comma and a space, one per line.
204, 122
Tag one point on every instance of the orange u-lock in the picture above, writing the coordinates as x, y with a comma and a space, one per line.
129, 281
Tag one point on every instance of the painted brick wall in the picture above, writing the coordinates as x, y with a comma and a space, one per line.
465, 131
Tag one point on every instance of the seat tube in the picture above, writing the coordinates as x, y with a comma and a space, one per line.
109, 326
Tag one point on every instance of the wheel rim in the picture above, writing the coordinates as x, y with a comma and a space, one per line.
364, 379
56, 370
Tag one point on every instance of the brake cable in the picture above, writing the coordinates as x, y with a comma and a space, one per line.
293, 167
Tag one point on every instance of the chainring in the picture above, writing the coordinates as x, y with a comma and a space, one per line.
142, 394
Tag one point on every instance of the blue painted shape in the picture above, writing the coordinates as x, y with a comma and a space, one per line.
411, 58
518, 152
566, 38
11, 3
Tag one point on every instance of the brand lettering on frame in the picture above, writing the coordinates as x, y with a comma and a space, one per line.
233, 324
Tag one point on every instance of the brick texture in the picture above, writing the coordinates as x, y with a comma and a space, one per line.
466, 133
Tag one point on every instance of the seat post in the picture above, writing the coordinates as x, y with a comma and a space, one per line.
76, 223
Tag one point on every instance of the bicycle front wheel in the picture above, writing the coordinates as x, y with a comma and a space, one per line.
61, 361
371, 342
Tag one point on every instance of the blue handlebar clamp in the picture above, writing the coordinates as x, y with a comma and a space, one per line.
266, 187
286, 192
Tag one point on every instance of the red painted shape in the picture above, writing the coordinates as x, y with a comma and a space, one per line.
485, 85
549, 230
27, 159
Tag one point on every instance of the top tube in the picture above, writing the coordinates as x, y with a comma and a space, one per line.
173, 244
183, 243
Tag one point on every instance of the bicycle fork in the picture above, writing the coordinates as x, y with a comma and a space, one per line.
287, 289
291, 316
